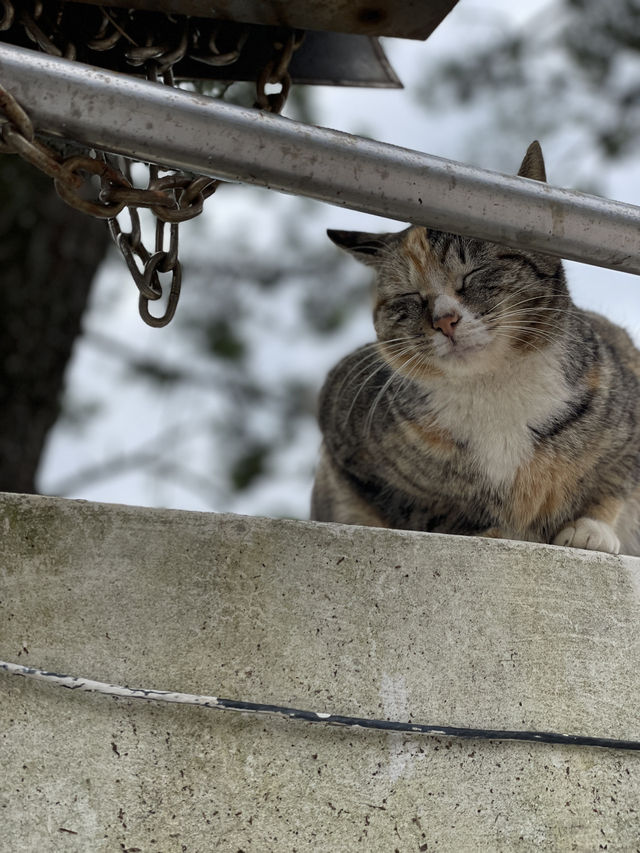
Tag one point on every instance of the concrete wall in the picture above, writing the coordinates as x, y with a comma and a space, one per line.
444, 630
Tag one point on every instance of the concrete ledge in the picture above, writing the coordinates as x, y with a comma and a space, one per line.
444, 630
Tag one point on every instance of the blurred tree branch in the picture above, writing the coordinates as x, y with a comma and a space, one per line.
148, 454
571, 71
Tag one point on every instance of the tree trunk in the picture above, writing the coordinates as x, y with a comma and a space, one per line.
49, 254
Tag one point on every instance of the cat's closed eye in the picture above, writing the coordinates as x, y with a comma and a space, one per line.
470, 278
414, 295
405, 305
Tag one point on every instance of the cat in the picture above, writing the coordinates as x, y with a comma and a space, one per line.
490, 404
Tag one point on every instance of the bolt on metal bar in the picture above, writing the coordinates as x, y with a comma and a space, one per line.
179, 129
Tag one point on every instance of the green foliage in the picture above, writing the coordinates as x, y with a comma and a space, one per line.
223, 341
494, 67
249, 466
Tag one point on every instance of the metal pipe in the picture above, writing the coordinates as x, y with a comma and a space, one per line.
151, 122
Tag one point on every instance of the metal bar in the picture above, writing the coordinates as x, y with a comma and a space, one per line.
151, 122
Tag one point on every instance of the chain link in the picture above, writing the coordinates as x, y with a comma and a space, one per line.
277, 72
8, 14
154, 42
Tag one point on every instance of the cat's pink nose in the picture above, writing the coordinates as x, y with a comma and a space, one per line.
447, 323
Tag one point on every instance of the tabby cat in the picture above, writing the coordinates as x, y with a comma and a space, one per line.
490, 405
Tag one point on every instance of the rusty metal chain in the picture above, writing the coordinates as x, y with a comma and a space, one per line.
277, 71
17, 136
172, 198
163, 260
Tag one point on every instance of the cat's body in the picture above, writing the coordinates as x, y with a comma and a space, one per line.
490, 404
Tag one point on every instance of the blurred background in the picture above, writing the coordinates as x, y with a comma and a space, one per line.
216, 412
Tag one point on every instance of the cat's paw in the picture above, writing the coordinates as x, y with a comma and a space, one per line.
590, 534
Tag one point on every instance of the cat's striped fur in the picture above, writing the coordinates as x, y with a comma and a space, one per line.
489, 405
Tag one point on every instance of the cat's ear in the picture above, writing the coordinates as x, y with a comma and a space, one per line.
533, 164
363, 246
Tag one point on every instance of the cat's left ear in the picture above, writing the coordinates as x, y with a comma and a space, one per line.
533, 164
362, 245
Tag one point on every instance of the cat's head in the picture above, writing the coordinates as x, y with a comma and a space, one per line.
456, 304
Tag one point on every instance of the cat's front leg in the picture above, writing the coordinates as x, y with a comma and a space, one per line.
334, 498
590, 533
595, 529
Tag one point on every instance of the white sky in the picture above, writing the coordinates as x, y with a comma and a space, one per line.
129, 413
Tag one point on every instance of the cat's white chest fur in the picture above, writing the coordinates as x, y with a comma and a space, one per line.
491, 414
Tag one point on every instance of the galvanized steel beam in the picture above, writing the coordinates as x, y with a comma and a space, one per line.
151, 122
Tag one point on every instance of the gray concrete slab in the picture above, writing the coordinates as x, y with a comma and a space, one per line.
387, 624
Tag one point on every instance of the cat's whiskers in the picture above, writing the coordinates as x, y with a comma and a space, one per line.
407, 379
519, 310
383, 390
533, 315
369, 377
371, 354
539, 309
524, 289
522, 308
528, 323
549, 328
562, 311
527, 334
545, 332
503, 333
